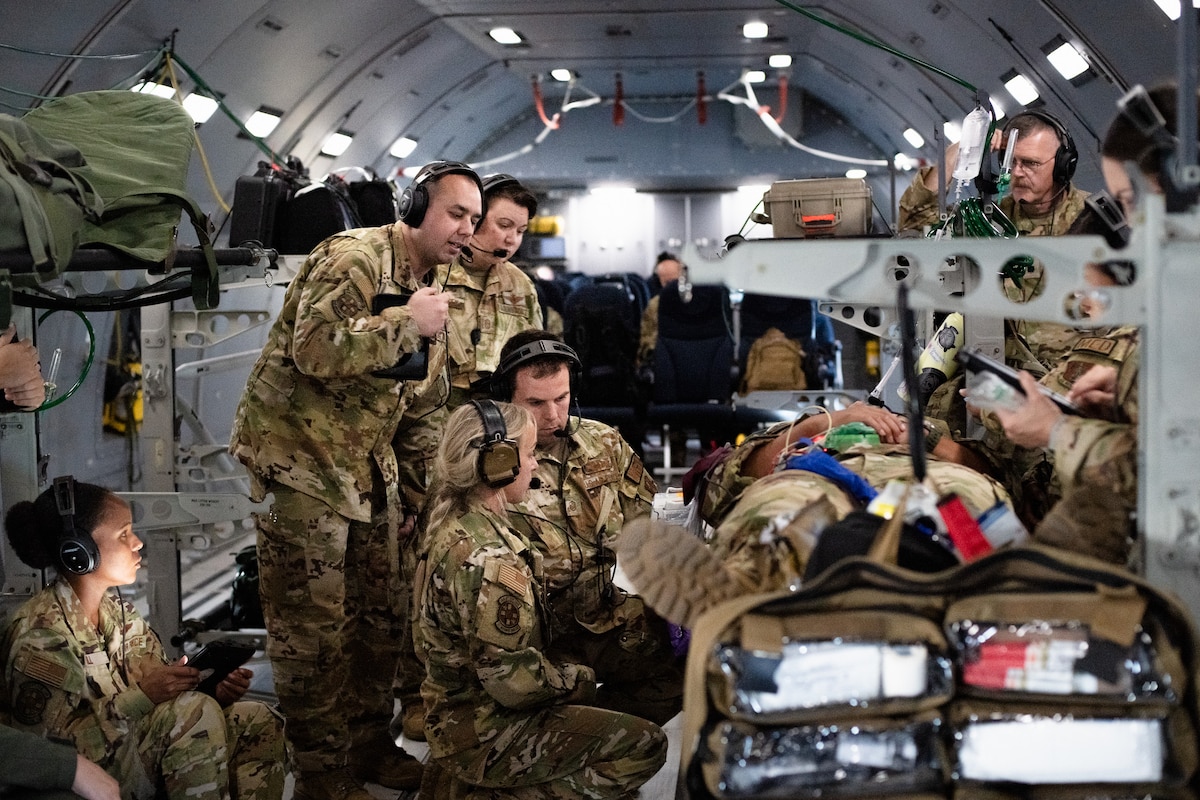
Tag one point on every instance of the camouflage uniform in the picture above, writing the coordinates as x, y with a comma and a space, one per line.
1091, 464
315, 428
501, 722
574, 519
766, 538
487, 308
65, 679
648, 334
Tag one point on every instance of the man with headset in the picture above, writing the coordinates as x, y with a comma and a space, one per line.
1042, 201
589, 483
314, 429
490, 300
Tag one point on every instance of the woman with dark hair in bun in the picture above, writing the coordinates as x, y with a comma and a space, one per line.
81, 665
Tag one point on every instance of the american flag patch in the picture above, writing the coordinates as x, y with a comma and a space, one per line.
43, 669
513, 578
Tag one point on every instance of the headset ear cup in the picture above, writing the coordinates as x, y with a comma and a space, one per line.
414, 201
499, 463
77, 553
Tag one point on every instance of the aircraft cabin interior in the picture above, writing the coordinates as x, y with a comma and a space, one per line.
170, 165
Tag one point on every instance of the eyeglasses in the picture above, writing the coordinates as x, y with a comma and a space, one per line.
1028, 165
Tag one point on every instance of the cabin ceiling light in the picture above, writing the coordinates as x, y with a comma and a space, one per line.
780, 61
337, 143
1020, 87
403, 147
157, 89
200, 107
914, 138
755, 30
1066, 58
1172, 7
952, 131
561, 75
754, 76
263, 121
505, 36
997, 108
855, 174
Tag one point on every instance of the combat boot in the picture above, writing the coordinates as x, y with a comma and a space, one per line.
335, 784
409, 723
673, 571
383, 763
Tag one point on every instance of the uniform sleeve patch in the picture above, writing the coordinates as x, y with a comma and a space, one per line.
511, 577
634, 473
43, 669
349, 303
508, 615
30, 705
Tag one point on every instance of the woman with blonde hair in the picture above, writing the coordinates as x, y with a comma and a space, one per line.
502, 719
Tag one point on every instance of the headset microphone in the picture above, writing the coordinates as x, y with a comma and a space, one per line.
535, 482
469, 254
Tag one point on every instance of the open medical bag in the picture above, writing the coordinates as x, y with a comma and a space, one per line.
1029, 672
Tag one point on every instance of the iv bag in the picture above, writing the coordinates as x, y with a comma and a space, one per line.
973, 145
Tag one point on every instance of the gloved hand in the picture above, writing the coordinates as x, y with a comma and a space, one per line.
584, 693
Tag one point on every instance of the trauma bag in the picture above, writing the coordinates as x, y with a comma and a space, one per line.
1034, 667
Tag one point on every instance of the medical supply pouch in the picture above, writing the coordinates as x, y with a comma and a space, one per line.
842, 662
44, 198
136, 147
1075, 747
1071, 678
874, 756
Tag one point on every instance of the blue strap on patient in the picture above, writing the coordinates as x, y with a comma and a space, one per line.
821, 463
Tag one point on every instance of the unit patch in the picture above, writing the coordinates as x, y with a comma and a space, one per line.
508, 615
30, 705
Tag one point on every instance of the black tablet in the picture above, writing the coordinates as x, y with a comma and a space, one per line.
975, 362
217, 659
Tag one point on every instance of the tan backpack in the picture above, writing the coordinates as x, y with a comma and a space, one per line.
775, 362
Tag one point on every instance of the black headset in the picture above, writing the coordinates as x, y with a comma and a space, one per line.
495, 181
414, 200
1066, 157
77, 551
504, 379
499, 461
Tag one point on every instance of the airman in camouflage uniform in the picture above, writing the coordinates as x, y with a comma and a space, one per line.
1032, 346
591, 483
67, 679
504, 718
315, 428
1089, 482
489, 303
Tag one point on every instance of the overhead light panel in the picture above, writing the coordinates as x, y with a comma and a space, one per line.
505, 36
855, 174
952, 131
200, 107
562, 75
1066, 58
1021, 88
263, 121
755, 30
997, 108
403, 147
914, 138
754, 76
1171, 7
904, 162
780, 61
337, 143
156, 89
